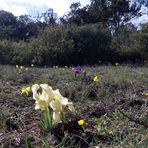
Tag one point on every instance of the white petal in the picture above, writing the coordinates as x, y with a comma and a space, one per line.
36, 96
48, 91
62, 100
56, 117
46, 87
37, 106
44, 96
56, 105
34, 88
71, 107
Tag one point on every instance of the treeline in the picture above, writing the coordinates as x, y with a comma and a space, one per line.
100, 31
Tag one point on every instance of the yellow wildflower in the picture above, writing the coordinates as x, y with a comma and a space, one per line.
26, 90
32, 65
21, 67
117, 64
96, 79
81, 122
146, 94
16, 66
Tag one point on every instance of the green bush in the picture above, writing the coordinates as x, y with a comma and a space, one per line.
91, 44
139, 49
5, 51
131, 44
71, 45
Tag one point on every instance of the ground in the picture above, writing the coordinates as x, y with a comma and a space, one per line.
114, 109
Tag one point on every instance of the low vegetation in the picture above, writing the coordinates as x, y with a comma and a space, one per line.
112, 108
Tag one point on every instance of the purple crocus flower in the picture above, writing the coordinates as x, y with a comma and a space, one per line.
78, 69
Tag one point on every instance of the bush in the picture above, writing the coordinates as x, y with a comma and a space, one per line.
5, 51
71, 44
91, 44
139, 48
131, 44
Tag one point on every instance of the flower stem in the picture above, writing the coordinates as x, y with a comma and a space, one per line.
47, 118
63, 117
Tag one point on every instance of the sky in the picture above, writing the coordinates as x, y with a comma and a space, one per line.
143, 19
35, 7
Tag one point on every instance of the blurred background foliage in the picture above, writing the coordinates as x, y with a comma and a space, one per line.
101, 31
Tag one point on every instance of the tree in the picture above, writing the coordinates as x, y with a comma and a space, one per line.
121, 13
74, 16
99, 11
49, 17
140, 44
77, 15
7, 25
142, 2
122, 43
26, 28
114, 13
110, 13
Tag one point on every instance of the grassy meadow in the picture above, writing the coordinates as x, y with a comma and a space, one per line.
114, 108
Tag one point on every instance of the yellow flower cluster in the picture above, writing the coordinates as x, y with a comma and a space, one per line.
45, 97
56, 66
21, 68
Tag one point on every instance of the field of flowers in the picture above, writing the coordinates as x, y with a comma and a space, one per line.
68, 107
